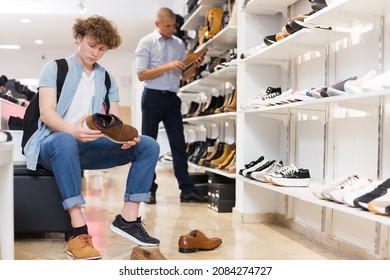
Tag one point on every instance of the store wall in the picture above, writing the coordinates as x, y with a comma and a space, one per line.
25, 66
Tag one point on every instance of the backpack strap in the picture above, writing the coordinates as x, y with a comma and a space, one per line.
107, 82
62, 71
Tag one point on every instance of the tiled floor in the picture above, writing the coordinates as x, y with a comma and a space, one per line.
169, 219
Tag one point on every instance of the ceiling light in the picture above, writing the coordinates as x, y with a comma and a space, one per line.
25, 20
38, 42
82, 7
10, 47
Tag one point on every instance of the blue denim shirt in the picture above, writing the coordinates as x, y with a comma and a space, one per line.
153, 51
48, 78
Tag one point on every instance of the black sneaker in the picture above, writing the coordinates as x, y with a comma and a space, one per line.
387, 209
133, 231
260, 168
363, 200
290, 176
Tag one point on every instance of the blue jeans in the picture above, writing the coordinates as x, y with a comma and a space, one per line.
66, 157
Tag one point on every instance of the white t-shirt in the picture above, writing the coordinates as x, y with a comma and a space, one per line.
82, 101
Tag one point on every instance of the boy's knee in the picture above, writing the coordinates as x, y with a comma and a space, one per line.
151, 144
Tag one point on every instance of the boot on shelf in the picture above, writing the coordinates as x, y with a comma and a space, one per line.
214, 19
232, 107
221, 109
228, 148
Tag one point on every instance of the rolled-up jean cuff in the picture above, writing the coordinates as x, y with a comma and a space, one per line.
139, 197
73, 201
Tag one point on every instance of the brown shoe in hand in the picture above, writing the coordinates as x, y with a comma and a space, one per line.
197, 240
192, 57
112, 127
146, 255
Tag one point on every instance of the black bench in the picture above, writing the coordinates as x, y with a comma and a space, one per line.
37, 203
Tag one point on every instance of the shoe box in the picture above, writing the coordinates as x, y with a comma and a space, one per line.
221, 205
200, 180
221, 193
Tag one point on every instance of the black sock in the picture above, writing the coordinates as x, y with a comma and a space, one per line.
80, 230
123, 219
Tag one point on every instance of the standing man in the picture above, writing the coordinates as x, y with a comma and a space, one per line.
65, 146
160, 65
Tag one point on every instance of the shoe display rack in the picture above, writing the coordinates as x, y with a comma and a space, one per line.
8, 109
215, 125
332, 137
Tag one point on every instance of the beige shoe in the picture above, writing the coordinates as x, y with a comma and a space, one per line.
112, 127
81, 248
214, 20
146, 255
191, 57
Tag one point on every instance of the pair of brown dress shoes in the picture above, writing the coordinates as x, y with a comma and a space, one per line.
196, 240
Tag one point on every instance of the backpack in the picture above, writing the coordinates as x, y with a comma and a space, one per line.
32, 113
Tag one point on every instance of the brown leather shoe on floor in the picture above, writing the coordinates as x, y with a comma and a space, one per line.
112, 127
146, 255
197, 240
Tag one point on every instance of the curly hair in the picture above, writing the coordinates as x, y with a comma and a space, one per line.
100, 29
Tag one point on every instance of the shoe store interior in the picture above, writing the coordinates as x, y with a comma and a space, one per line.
285, 118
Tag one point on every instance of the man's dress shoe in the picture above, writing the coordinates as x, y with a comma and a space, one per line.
197, 240
146, 255
192, 197
152, 198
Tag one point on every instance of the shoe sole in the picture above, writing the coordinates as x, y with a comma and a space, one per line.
125, 235
191, 201
91, 258
109, 138
193, 250
377, 210
285, 182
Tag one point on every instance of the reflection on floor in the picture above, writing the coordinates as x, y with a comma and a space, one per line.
167, 220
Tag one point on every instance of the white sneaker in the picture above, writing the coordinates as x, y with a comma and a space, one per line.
254, 167
326, 191
337, 182
349, 197
378, 83
258, 103
291, 177
261, 96
337, 195
268, 176
355, 86
281, 99
260, 175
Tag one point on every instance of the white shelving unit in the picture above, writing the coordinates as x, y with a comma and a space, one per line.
212, 84
333, 137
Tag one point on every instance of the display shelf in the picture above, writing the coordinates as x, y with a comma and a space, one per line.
349, 13
212, 170
227, 74
362, 100
222, 41
332, 135
306, 194
212, 117
197, 18
299, 43
268, 7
